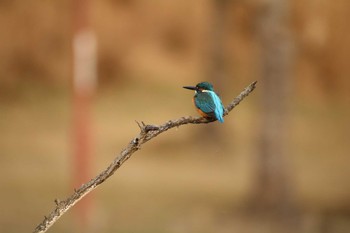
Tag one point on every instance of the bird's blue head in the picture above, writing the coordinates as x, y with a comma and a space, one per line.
203, 86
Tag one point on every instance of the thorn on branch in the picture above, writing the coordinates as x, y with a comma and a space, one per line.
142, 126
146, 128
138, 123
57, 202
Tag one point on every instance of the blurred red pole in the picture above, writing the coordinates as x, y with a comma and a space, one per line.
84, 84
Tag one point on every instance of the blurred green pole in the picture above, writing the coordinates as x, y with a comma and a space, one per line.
84, 84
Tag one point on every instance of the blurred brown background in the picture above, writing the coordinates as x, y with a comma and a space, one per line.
279, 163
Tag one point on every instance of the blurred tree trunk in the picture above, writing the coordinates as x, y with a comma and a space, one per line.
273, 185
216, 52
215, 71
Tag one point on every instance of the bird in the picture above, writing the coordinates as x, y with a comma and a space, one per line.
207, 102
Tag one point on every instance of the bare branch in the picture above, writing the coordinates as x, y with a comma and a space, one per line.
147, 132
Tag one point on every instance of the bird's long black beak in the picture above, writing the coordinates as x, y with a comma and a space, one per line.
190, 87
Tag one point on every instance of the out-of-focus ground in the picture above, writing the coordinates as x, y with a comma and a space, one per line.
176, 182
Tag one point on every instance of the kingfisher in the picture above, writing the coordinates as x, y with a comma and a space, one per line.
207, 102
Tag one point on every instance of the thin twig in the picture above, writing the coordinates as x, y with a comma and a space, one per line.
147, 132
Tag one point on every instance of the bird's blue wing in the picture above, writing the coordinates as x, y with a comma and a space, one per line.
205, 102
209, 103
219, 109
